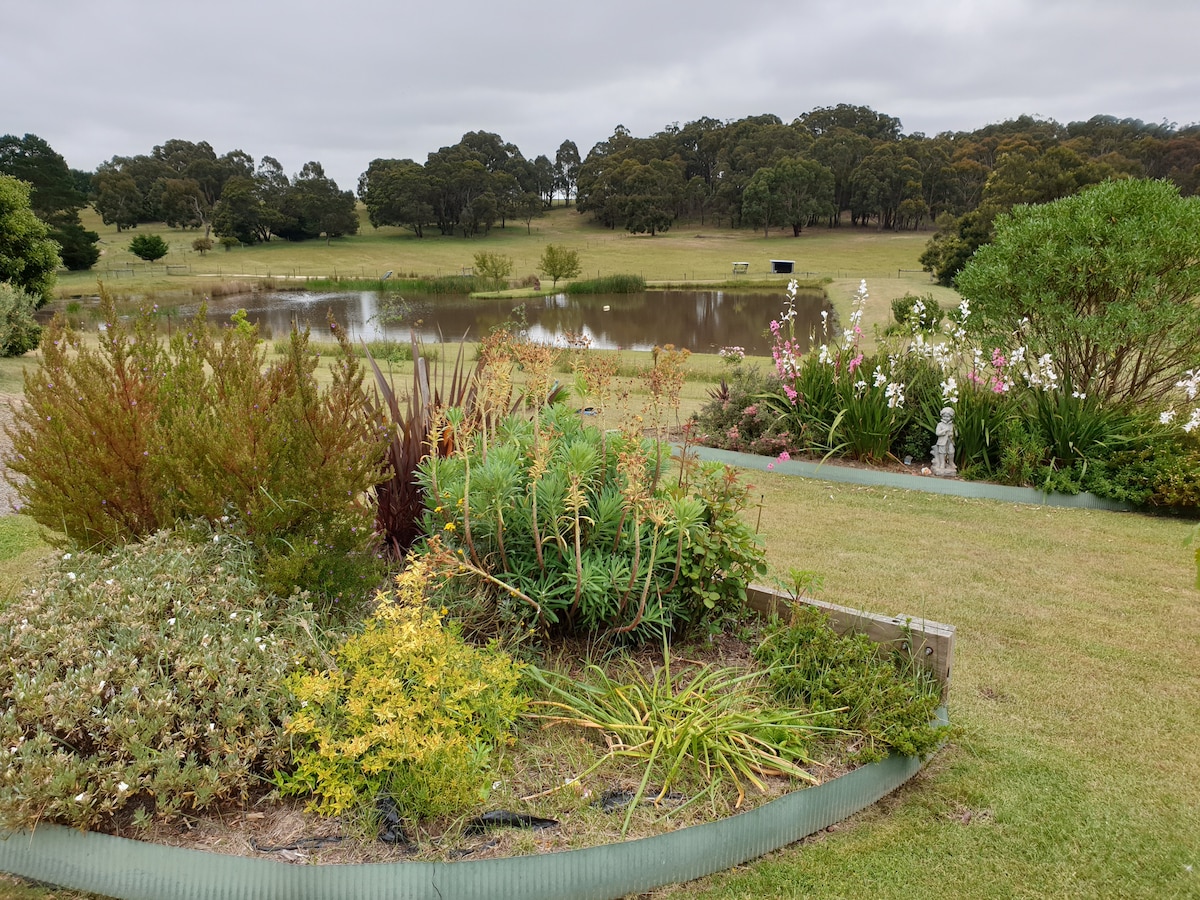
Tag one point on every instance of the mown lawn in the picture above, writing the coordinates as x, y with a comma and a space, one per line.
1076, 697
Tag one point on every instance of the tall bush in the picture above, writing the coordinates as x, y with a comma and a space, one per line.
1104, 281
122, 437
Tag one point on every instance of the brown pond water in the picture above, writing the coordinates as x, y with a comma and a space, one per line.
701, 321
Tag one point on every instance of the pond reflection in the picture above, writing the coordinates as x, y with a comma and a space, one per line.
701, 321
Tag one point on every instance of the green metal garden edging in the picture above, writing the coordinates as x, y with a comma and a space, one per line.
135, 870
927, 483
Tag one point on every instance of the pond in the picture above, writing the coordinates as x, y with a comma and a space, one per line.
701, 321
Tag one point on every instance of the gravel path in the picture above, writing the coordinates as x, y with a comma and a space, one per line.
7, 495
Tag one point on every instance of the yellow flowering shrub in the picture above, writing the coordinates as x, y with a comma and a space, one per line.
410, 710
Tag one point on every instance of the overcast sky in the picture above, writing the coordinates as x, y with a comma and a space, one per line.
347, 81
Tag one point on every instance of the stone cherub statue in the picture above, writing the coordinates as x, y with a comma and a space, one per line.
943, 450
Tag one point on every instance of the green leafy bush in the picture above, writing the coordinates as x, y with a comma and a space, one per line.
891, 702
120, 438
19, 331
737, 418
144, 683
410, 711
918, 313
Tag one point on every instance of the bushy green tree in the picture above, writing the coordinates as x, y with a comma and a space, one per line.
149, 247
559, 262
1105, 281
56, 197
493, 265
28, 255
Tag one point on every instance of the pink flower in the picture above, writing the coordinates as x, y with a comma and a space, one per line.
998, 359
770, 467
784, 456
855, 363
791, 392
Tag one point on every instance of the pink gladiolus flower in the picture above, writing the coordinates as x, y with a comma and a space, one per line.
791, 392
784, 456
855, 363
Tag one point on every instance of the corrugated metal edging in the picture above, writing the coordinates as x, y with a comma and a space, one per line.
927, 483
133, 870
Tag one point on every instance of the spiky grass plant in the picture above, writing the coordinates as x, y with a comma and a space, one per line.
703, 721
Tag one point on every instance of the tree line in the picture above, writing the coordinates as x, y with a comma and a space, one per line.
832, 166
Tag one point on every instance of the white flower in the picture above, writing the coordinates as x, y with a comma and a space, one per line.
824, 357
1190, 383
71, 575
171, 621
122, 788
216, 538
66, 556
1166, 417
1194, 422
895, 394
880, 378
1079, 395
950, 390
80, 798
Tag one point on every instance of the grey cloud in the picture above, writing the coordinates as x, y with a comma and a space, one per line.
347, 82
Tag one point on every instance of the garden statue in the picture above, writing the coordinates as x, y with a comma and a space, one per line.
943, 450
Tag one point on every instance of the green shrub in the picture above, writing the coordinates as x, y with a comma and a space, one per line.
118, 440
410, 711
574, 526
736, 417
988, 441
891, 702
144, 683
19, 332
918, 313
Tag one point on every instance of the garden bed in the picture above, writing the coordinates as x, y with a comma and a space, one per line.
260, 847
